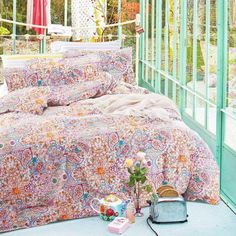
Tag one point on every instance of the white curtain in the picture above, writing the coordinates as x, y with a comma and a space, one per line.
48, 9
29, 18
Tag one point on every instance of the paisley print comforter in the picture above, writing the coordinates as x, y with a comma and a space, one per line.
57, 152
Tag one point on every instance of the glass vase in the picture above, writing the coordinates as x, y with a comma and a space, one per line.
138, 208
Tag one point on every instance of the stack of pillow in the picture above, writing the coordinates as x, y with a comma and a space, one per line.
78, 62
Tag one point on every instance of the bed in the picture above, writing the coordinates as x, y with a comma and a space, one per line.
66, 131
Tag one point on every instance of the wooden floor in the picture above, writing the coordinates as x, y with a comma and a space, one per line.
204, 220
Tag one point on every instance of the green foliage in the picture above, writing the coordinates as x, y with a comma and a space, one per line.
138, 176
148, 188
233, 61
57, 14
7, 13
4, 31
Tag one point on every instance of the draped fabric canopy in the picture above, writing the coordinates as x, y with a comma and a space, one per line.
38, 13
83, 19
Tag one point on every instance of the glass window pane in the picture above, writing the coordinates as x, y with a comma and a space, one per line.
200, 111
211, 119
230, 134
189, 104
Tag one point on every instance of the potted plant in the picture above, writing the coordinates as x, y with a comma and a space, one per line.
3, 31
137, 178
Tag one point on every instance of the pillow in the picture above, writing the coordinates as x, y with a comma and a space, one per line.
14, 69
61, 71
48, 72
14, 78
35, 99
66, 94
27, 100
20, 61
117, 62
61, 46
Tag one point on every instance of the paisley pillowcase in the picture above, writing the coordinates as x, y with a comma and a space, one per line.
66, 94
15, 78
62, 71
26, 100
48, 72
116, 62
34, 100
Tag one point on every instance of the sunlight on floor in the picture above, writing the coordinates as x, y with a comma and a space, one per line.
204, 220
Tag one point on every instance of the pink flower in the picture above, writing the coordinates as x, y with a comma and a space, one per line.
149, 163
141, 156
144, 162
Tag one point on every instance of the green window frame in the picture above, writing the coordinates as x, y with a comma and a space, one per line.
168, 69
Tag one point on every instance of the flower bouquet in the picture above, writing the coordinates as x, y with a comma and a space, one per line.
137, 178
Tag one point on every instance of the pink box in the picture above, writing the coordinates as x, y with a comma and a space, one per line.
118, 225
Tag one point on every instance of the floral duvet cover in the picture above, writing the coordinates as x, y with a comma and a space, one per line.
59, 152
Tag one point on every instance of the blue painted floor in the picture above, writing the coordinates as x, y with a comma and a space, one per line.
204, 220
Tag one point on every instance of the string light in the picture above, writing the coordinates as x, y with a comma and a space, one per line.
45, 27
